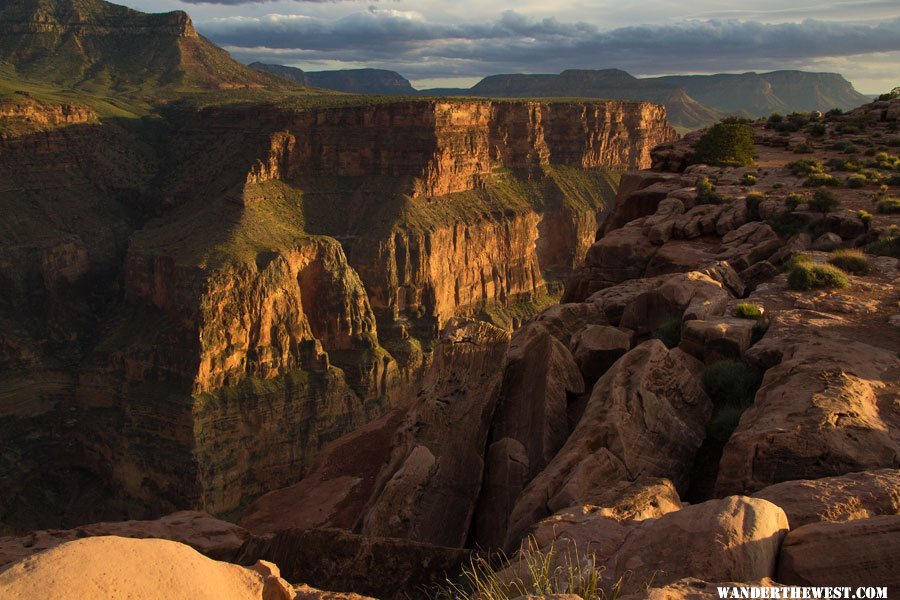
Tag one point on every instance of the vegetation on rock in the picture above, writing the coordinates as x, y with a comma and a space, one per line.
726, 144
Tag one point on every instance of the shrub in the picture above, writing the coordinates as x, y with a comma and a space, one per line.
669, 332
820, 179
707, 194
866, 218
748, 310
792, 201
823, 201
817, 130
804, 149
812, 276
887, 245
731, 382
726, 144
753, 200
749, 179
787, 224
857, 181
852, 261
891, 95
889, 206
834, 112
805, 167
777, 186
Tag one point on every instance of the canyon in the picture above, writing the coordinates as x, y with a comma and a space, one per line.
223, 291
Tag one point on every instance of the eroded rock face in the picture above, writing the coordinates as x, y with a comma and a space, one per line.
852, 553
843, 498
646, 416
428, 490
341, 561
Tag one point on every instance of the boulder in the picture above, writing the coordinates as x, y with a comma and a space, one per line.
596, 347
621, 254
851, 553
844, 498
563, 320
119, 568
722, 338
732, 539
826, 242
798, 243
758, 273
827, 407
684, 296
646, 416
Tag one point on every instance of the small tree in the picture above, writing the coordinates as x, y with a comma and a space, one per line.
823, 201
726, 145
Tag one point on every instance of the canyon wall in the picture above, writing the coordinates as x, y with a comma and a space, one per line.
277, 278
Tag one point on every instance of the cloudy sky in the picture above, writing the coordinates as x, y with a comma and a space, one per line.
437, 43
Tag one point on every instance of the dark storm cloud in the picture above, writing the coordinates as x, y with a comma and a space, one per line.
513, 42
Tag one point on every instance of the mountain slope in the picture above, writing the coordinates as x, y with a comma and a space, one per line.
353, 81
760, 94
101, 47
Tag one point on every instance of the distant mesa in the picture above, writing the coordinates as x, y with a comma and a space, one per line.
353, 81
691, 101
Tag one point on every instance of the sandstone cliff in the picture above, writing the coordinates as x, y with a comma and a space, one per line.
261, 303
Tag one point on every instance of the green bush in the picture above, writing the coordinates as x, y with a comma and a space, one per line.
850, 260
706, 193
669, 332
731, 383
787, 224
748, 310
834, 112
749, 179
820, 179
804, 149
726, 144
817, 130
857, 181
889, 206
753, 200
823, 201
812, 276
805, 167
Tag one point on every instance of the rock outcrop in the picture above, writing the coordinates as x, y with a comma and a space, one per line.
853, 553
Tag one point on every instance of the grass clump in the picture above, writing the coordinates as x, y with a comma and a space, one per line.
889, 206
850, 260
669, 332
804, 148
823, 201
726, 145
865, 218
538, 572
805, 276
749, 179
748, 310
